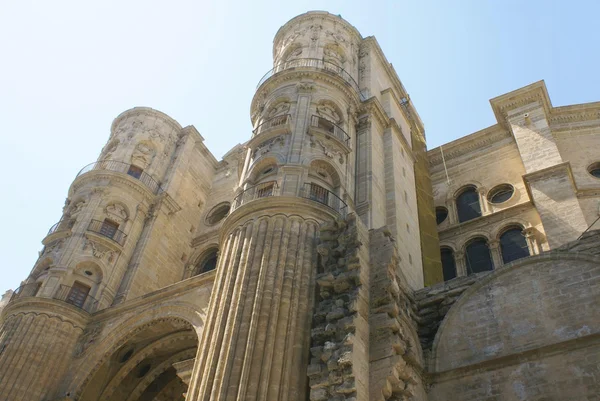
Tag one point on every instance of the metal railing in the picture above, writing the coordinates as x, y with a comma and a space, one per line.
61, 225
64, 293
332, 129
319, 194
271, 123
262, 190
124, 168
108, 231
313, 63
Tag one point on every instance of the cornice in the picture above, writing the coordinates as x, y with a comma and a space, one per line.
148, 112
467, 144
160, 296
485, 220
504, 104
46, 306
373, 108
557, 169
297, 74
112, 176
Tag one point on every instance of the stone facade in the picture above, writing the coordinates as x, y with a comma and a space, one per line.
309, 262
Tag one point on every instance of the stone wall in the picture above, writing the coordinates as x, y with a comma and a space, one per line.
340, 335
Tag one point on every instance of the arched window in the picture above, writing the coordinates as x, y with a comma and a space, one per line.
448, 265
467, 205
478, 257
208, 262
513, 245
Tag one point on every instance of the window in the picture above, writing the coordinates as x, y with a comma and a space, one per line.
319, 194
264, 190
513, 245
109, 228
594, 169
78, 294
441, 213
218, 213
478, 257
135, 171
208, 262
501, 193
467, 205
448, 265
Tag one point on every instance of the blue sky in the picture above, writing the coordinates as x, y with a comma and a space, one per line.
70, 67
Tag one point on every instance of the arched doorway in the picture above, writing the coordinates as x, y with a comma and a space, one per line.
148, 366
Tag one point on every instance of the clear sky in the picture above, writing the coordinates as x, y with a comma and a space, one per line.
68, 68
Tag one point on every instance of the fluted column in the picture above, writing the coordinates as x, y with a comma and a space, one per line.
258, 324
35, 350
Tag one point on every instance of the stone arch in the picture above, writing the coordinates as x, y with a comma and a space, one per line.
40, 268
89, 265
472, 237
324, 171
277, 107
109, 149
114, 338
335, 54
330, 110
207, 252
268, 160
292, 52
494, 305
508, 224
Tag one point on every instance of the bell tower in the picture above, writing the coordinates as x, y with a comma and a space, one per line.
298, 173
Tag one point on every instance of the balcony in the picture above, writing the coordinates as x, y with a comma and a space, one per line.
107, 230
313, 63
76, 295
324, 196
262, 190
274, 123
124, 168
330, 129
309, 191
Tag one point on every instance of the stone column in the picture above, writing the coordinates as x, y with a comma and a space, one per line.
257, 331
485, 209
459, 263
530, 236
494, 246
36, 344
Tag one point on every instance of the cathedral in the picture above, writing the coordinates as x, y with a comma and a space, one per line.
331, 257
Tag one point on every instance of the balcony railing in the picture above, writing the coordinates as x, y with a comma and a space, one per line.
262, 190
319, 194
313, 63
108, 231
124, 168
309, 191
65, 293
271, 123
61, 225
331, 129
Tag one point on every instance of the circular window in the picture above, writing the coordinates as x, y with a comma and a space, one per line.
501, 193
218, 213
441, 213
594, 169
88, 273
144, 370
267, 170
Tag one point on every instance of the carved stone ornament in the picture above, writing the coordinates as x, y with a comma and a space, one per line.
98, 250
142, 155
327, 110
336, 36
110, 148
328, 151
278, 109
53, 247
87, 339
315, 30
267, 146
77, 208
294, 54
116, 212
332, 55
304, 87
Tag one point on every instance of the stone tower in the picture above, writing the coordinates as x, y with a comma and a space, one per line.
297, 173
112, 225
